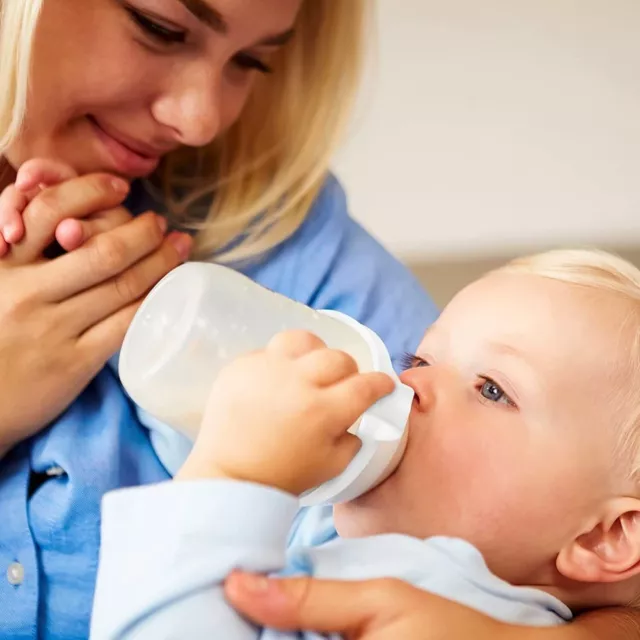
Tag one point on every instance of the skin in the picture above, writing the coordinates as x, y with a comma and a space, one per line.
182, 83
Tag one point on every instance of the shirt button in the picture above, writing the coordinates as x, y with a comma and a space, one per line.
55, 472
15, 574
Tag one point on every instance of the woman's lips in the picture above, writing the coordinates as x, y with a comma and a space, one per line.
125, 160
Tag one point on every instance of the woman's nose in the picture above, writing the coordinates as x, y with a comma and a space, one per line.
191, 108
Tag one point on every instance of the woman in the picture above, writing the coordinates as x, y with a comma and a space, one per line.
240, 100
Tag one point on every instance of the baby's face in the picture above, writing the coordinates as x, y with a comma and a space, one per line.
511, 432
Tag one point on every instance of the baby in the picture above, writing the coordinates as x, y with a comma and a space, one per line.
518, 494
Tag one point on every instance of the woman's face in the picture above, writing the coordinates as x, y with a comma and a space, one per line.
117, 84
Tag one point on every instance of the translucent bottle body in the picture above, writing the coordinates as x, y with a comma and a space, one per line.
201, 316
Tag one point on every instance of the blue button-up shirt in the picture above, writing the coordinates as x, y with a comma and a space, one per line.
52, 528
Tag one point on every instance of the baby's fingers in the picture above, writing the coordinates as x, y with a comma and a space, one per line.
356, 394
12, 204
42, 172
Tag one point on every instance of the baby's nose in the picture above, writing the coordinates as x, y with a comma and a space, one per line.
421, 383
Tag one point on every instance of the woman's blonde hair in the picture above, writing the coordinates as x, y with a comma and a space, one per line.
252, 188
609, 274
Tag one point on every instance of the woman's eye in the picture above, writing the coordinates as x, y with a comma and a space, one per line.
157, 31
492, 392
251, 63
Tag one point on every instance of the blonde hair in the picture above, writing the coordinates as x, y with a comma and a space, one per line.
609, 274
266, 171
18, 20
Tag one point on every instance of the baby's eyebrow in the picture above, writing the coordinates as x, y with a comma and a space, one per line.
527, 360
505, 348
512, 351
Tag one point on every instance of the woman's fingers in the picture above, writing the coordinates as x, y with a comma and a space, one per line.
72, 233
385, 609
100, 302
316, 605
105, 337
12, 204
101, 258
42, 172
77, 198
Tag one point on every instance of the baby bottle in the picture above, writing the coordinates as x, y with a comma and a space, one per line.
201, 315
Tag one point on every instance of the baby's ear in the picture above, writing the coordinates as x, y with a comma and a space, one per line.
610, 551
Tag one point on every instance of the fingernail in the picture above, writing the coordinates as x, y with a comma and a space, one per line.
182, 244
23, 181
10, 232
120, 186
162, 223
253, 584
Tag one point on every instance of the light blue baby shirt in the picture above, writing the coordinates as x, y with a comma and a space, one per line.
166, 551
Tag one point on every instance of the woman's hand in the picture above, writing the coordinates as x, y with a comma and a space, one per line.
62, 319
374, 610
33, 177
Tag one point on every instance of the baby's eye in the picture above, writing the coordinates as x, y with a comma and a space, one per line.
492, 392
411, 361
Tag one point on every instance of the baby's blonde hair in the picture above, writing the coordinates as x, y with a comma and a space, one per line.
611, 275
268, 168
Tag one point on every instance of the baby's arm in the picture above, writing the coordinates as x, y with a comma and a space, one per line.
167, 549
276, 418
32, 177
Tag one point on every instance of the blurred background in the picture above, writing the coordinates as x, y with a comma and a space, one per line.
489, 129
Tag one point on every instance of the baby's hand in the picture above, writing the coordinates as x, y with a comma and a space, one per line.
280, 416
33, 176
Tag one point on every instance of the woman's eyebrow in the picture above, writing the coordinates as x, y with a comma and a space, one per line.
213, 19
206, 14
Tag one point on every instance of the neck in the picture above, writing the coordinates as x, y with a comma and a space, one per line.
584, 596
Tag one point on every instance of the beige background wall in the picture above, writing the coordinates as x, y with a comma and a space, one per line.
489, 128
443, 278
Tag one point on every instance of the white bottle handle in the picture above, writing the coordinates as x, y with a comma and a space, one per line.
373, 464
382, 430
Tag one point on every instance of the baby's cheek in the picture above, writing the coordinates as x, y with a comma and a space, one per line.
468, 473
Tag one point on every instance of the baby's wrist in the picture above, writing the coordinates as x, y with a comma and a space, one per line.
195, 469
